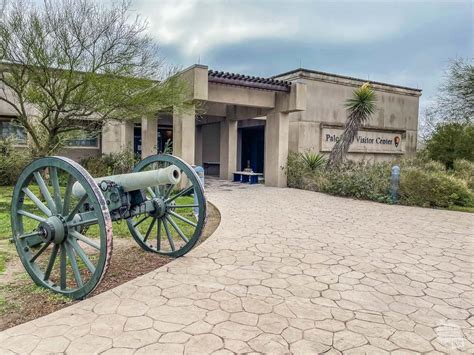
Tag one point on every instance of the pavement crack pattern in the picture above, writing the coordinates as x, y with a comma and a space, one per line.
287, 271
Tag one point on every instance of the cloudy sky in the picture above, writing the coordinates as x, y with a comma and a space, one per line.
401, 42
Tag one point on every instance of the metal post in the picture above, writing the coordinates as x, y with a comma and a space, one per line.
200, 171
395, 182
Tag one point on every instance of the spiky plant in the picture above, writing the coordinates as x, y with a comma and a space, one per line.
360, 107
313, 161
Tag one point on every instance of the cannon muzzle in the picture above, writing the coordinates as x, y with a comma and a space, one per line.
137, 181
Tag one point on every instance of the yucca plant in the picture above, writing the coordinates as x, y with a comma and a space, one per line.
360, 107
312, 161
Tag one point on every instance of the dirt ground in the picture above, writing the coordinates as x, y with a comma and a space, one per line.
21, 300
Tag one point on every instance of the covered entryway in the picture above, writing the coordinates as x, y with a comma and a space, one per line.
252, 148
229, 120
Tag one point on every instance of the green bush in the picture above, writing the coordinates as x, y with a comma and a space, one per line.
450, 142
295, 170
12, 161
464, 169
424, 182
433, 189
110, 164
360, 180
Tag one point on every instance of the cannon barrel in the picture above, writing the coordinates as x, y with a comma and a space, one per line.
137, 181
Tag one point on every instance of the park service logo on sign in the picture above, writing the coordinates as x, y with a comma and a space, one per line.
366, 141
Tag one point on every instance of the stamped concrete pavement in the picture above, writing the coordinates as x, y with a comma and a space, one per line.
287, 271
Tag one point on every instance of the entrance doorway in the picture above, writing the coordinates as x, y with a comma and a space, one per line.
253, 148
164, 139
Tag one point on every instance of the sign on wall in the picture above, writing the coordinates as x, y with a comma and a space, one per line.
366, 141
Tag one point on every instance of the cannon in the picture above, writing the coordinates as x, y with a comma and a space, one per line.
62, 217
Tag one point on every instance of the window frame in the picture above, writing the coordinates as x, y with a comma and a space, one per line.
18, 143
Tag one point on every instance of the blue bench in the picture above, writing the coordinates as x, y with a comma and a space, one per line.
245, 177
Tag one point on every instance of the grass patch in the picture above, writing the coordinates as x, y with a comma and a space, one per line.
3, 260
461, 209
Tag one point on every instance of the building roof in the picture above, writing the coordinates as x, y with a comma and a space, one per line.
220, 77
342, 77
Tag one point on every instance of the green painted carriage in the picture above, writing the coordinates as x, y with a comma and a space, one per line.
62, 217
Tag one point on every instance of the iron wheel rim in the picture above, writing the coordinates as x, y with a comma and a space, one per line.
41, 274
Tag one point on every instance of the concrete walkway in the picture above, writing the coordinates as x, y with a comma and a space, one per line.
287, 271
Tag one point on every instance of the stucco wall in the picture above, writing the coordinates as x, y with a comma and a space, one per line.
210, 142
397, 110
78, 154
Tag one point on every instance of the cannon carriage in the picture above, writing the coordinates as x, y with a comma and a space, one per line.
62, 217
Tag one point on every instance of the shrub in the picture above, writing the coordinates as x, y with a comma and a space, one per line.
424, 182
360, 180
110, 164
450, 142
421, 162
464, 169
11, 163
433, 189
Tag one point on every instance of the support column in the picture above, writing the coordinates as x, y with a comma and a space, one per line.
228, 148
117, 136
198, 144
149, 136
184, 127
276, 148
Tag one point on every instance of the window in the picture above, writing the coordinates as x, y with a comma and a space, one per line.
86, 135
12, 130
84, 141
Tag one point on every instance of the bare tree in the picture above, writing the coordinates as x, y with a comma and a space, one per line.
70, 63
454, 102
359, 109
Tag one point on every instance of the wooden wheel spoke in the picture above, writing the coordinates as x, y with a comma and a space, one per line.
76, 208
178, 230
37, 202
86, 222
168, 190
158, 236
151, 192
42, 249
31, 215
184, 219
82, 254
45, 192
140, 221
29, 235
68, 195
53, 173
150, 228
62, 268
51, 261
180, 193
168, 234
75, 268
157, 190
85, 239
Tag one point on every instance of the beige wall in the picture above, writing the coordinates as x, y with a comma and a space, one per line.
211, 142
397, 110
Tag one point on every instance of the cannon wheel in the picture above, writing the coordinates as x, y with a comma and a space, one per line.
49, 225
181, 210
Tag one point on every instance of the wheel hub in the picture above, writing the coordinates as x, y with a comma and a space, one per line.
53, 229
160, 208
